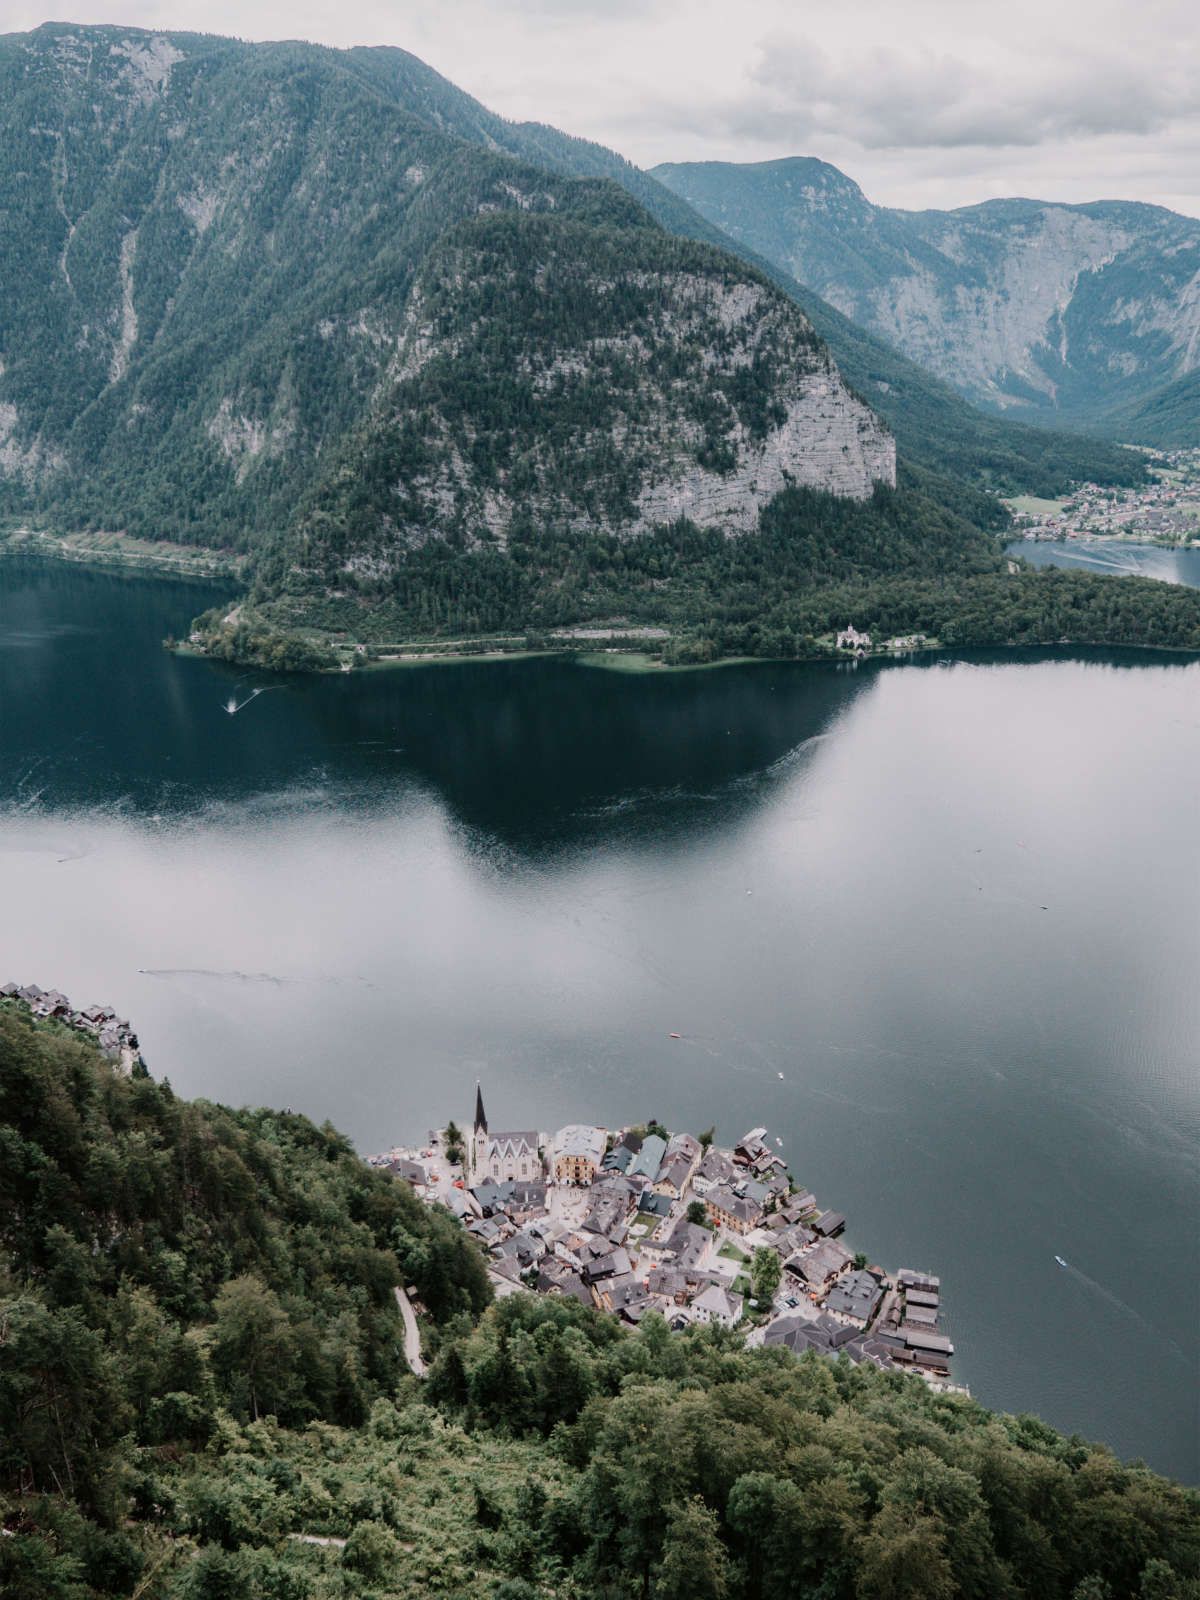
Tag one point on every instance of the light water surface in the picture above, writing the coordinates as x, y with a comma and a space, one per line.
935, 925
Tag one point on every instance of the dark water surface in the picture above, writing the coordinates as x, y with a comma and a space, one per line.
956, 906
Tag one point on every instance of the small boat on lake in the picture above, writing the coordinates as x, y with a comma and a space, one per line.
1060, 1261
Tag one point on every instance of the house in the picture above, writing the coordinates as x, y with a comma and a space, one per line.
830, 1224
920, 1340
610, 1263
750, 1146
907, 1279
608, 1214
855, 1297
577, 1153
668, 1282
850, 639
655, 1205
715, 1304
673, 1179
620, 1158
753, 1150
920, 1316
732, 1211
687, 1246
921, 1297
714, 1169
688, 1146
411, 1171
649, 1158
820, 1266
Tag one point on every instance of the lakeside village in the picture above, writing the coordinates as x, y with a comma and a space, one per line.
641, 1219
1166, 510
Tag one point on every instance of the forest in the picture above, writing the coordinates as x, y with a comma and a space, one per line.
926, 557
203, 1397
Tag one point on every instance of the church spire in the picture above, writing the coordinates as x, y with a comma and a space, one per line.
480, 1119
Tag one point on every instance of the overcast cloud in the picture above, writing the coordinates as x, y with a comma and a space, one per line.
922, 102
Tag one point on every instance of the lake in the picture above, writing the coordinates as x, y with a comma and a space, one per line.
1105, 555
934, 924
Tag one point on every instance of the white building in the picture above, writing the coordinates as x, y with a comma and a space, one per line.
715, 1304
577, 1153
851, 639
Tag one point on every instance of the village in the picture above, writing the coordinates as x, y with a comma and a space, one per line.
1165, 510
114, 1035
639, 1219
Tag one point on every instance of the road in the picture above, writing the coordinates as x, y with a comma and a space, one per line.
412, 1337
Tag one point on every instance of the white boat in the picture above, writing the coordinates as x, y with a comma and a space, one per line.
1060, 1261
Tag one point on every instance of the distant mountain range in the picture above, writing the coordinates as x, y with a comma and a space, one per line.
1088, 314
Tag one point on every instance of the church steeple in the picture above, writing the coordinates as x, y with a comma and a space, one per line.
479, 1138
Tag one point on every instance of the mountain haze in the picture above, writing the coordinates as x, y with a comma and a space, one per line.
1074, 312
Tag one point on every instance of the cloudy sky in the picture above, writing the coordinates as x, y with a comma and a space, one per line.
923, 102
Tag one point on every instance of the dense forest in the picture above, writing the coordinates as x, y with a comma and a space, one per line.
202, 1397
918, 559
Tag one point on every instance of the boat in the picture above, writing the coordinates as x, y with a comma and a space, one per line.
1060, 1261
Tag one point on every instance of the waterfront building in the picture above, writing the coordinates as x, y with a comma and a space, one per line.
577, 1153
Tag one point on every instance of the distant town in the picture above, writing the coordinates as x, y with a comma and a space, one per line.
640, 1219
1166, 510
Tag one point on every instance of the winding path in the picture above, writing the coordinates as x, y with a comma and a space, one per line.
412, 1337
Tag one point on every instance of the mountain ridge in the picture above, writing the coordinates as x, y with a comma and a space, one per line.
1038, 309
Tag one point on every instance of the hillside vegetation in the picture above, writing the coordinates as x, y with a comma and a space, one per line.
199, 1361
238, 275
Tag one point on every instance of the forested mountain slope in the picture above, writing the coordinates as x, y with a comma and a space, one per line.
200, 1369
932, 423
233, 271
1043, 310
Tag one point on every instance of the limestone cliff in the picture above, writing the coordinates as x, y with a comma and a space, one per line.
607, 382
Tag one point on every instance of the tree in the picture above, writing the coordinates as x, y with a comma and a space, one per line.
697, 1212
765, 1273
253, 1350
369, 1551
452, 1136
707, 1137
694, 1564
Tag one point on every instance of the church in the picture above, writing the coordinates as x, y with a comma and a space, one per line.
501, 1157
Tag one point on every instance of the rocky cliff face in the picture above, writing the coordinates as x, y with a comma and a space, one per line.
605, 383
1024, 306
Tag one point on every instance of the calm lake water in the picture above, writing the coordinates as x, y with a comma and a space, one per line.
1100, 555
955, 905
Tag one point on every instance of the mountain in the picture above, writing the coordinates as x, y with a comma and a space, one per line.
245, 286
932, 425
438, 374
203, 1395
1071, 312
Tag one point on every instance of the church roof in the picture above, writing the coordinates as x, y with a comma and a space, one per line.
480, 1118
